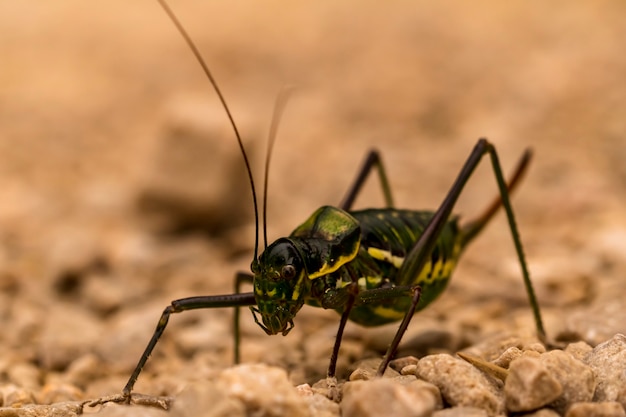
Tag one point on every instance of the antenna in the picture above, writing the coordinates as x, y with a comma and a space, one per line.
205, 68
279, 108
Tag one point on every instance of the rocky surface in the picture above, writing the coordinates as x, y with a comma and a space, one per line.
122, 189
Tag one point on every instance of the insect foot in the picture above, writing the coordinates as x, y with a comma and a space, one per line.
164, 403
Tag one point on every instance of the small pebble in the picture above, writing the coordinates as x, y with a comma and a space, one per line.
598, 323
530, 385
84, 370
68, 409
577, 379
321, 406
305, 390
544, 412
251, 390
69, 332
504, 360
461, 412
494, 347
608, 362
56, 393
603, 409
13, 396
461, 384
119, 410
368, 368
263, 390
578, 349
392, 399
403, 362
409, 370
206, 399
25, 375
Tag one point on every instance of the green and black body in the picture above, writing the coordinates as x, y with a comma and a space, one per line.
386, 237
372, 266
336, 252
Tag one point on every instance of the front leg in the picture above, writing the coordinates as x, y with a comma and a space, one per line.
350, 296
332, 366
336, 299
179, 306
240, 278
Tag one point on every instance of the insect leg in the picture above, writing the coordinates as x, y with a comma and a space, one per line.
418, 255
372, 160
393, 347
370, 296
474, 226
332, 366
240, 278
177, 306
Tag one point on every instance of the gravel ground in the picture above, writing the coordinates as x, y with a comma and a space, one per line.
122, 188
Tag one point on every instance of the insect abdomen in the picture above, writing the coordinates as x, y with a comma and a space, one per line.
387, 235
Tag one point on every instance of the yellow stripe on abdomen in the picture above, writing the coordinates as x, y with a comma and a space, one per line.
385, 256
388, 313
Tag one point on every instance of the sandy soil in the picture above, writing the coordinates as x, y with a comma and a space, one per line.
122, 187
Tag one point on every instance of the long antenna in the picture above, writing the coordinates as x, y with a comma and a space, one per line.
279, 108
207, 72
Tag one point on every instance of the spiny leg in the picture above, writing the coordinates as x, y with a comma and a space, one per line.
371, 296
332, 366
372, 160
418, 255
541, 333
178, 306
473, 227
240, 278
393, 347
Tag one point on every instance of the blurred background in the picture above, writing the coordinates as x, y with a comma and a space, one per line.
122, 186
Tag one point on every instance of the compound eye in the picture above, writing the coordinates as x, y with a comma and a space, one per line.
288, 271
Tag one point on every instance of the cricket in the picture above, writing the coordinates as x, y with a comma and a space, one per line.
373, 266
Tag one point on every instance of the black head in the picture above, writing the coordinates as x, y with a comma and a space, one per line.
280, 286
